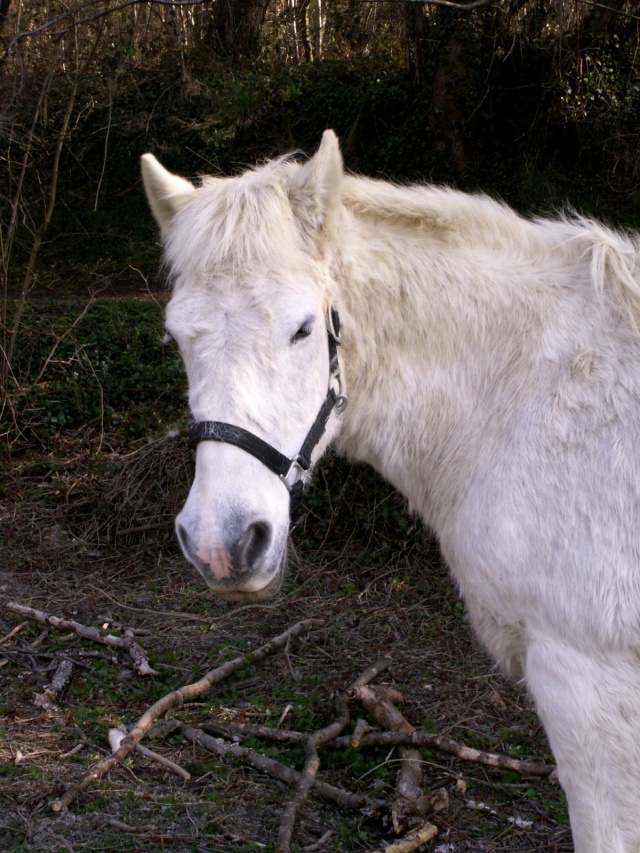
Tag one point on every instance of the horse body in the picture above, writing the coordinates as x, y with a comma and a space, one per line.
491, 367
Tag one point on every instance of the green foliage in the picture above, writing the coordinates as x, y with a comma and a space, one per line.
232, 117
534, 132
366, 765
541, 103
106, 371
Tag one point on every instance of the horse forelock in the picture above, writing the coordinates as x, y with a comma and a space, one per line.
232, 223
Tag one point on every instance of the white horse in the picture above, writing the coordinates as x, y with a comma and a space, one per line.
492, 365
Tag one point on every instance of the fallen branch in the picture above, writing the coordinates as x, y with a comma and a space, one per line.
306, 780
445, 744
228, 729
320, 843
61, 678
308, 775
127, 643
175, 700
371, 672
12, 633
413, 840
125, 827
312, 761
287, 735
274, 768
361, 728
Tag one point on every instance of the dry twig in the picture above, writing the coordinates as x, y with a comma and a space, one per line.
371, 672
413, 840
12, 633
60, 679
306, 780
361, 727
127, 643
274, 768
308, 775
406, 802
266, 732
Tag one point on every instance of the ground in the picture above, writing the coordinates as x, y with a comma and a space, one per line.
86, 523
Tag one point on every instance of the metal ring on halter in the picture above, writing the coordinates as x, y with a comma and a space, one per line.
341, 402
341, 399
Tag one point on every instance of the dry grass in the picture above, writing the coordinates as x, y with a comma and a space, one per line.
89, 535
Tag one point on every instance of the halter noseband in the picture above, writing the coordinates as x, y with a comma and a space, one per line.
286, 467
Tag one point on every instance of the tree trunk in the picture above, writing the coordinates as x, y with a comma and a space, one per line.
5, 5
235, 26
450, 82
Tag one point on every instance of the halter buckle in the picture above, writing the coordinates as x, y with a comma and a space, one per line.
296, 463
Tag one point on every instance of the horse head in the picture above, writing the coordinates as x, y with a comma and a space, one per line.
252, 314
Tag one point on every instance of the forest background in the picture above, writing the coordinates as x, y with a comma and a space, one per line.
533, 101
538, 102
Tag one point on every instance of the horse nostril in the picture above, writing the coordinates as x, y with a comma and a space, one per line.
254, 544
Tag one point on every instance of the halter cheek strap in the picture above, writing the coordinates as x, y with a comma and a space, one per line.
288, 468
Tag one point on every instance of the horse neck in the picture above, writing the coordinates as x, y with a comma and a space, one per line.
415, 356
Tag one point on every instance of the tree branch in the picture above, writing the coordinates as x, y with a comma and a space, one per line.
75, 22
477, 4
465, 7
116, 736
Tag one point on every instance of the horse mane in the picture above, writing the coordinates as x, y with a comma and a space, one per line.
249, 219
475, 219
453, 215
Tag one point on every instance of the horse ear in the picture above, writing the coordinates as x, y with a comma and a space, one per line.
317, 186
166, 193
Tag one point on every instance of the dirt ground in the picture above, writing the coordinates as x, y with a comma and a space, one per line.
374, 596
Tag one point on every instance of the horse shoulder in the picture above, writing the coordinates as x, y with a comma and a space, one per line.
542, 534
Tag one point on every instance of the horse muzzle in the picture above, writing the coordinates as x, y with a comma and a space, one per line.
245, 566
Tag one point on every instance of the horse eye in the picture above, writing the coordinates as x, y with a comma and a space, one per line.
303, 332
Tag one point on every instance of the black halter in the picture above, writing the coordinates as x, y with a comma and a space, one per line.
286, 467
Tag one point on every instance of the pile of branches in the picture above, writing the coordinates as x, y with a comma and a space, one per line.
408, 809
